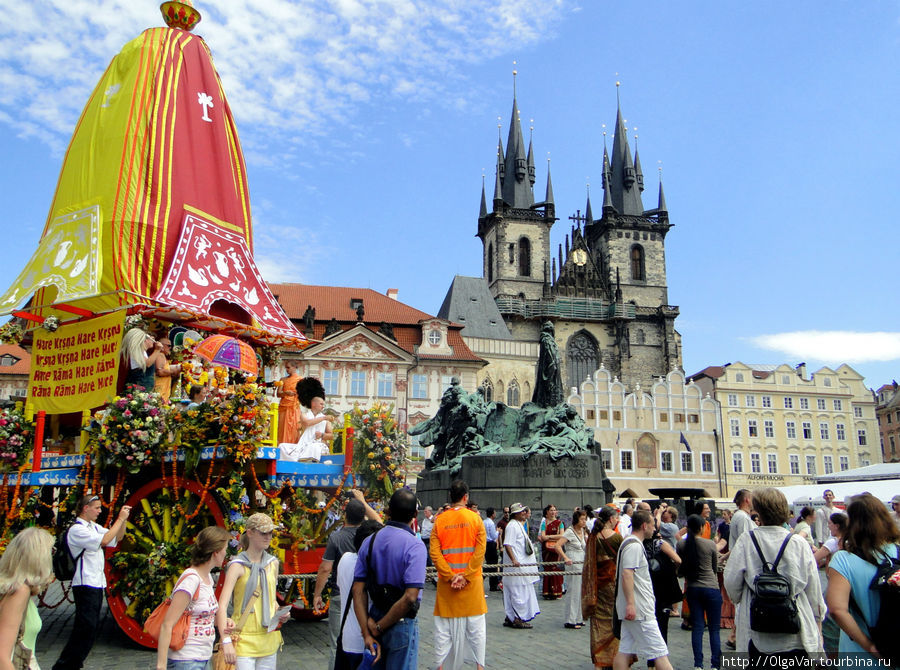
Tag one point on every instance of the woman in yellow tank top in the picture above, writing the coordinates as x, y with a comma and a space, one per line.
253, 571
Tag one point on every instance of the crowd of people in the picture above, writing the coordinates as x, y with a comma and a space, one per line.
623, 573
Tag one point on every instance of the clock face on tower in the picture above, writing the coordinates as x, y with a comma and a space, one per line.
434, 337
579, 257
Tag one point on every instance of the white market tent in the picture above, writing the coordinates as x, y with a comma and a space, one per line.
881, 480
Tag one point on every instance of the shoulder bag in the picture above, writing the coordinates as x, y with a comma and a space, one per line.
218, 657
154, 622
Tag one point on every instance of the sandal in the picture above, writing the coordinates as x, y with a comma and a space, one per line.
570, 625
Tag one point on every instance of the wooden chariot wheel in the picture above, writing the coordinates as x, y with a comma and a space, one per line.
142, 569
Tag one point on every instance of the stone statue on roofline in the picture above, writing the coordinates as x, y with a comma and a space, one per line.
466, 423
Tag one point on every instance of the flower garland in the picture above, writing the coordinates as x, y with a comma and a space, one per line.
379, 450
16, 439
11, 333
244, 418
128, 434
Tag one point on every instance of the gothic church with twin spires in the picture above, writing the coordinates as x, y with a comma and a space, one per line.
605, 289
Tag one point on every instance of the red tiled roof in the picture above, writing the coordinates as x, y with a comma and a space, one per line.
713, 372
22, 366
333, 302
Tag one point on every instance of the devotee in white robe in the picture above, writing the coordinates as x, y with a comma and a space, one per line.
519, 556
312, 444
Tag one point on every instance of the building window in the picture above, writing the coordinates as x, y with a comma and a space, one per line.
737, 461
810, 465
864, 462
512, 394
751, 400
637, 262
807, 430
755, 465
857, 412
582, 357
893, 446
795, 464
839, 432
732, 400
804, 403
687, 461
773, 463
739, 376
604, 415
693, 418
888, 419
490, 262
679, 417
788, 403
820, 404
845, 462
419, 386
838, 405
828, 464
385, 384
626, 460
823, 431
827, 381
330, 379
791, 430
606, 458
767, 401
735, 428
769, 428
524, 257
617, 415
861, 437
487, 390
786, 379
752, 428
663, 417
446, 382
665, 461
416, 452
706, 462
358, 383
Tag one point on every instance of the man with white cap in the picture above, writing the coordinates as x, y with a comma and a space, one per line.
519, 599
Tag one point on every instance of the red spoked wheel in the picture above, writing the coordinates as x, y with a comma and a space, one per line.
142, 570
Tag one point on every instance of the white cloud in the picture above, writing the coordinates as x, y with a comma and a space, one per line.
292, 69
833, 346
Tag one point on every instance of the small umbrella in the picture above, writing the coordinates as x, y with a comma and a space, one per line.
230, 352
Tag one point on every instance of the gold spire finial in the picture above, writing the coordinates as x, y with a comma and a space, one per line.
180, 14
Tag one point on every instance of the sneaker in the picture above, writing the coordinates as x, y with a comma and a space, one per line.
730, 645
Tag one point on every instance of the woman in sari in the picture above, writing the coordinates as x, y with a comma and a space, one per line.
288, 405
598, 587
551, 532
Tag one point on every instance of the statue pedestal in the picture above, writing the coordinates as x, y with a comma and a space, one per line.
496, 480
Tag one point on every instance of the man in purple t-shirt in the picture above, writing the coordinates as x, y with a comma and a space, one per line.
390, 629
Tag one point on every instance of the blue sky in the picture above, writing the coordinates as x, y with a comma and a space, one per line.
367, 127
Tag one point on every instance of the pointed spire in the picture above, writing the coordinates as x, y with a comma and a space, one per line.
588, 213
517, 192
498, 187
607, 181
625, 197
662, 198
531, 161
638, 173
553, 272
549, 197
561, 265
483, 211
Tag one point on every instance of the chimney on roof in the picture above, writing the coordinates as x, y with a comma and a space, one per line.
801, 370
392, 293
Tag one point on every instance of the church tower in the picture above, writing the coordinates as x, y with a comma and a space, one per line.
515, 234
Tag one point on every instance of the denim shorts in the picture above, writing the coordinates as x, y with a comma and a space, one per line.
188, 665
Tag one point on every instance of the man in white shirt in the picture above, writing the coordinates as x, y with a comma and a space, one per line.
87, 539
625, 521
740, 524
820, 529
635, 603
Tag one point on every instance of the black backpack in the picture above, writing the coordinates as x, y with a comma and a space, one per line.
883, 632
773, 608
64, 563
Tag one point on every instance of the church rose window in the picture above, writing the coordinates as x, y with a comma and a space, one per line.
582, 357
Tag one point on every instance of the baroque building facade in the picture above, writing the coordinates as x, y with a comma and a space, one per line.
605, 289
888, 413
781, 427
370, 347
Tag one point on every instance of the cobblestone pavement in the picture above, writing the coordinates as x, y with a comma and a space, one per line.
547, 646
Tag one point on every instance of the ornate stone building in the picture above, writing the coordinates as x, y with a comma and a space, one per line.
605, 290
782, 428
15, 364
888, 413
